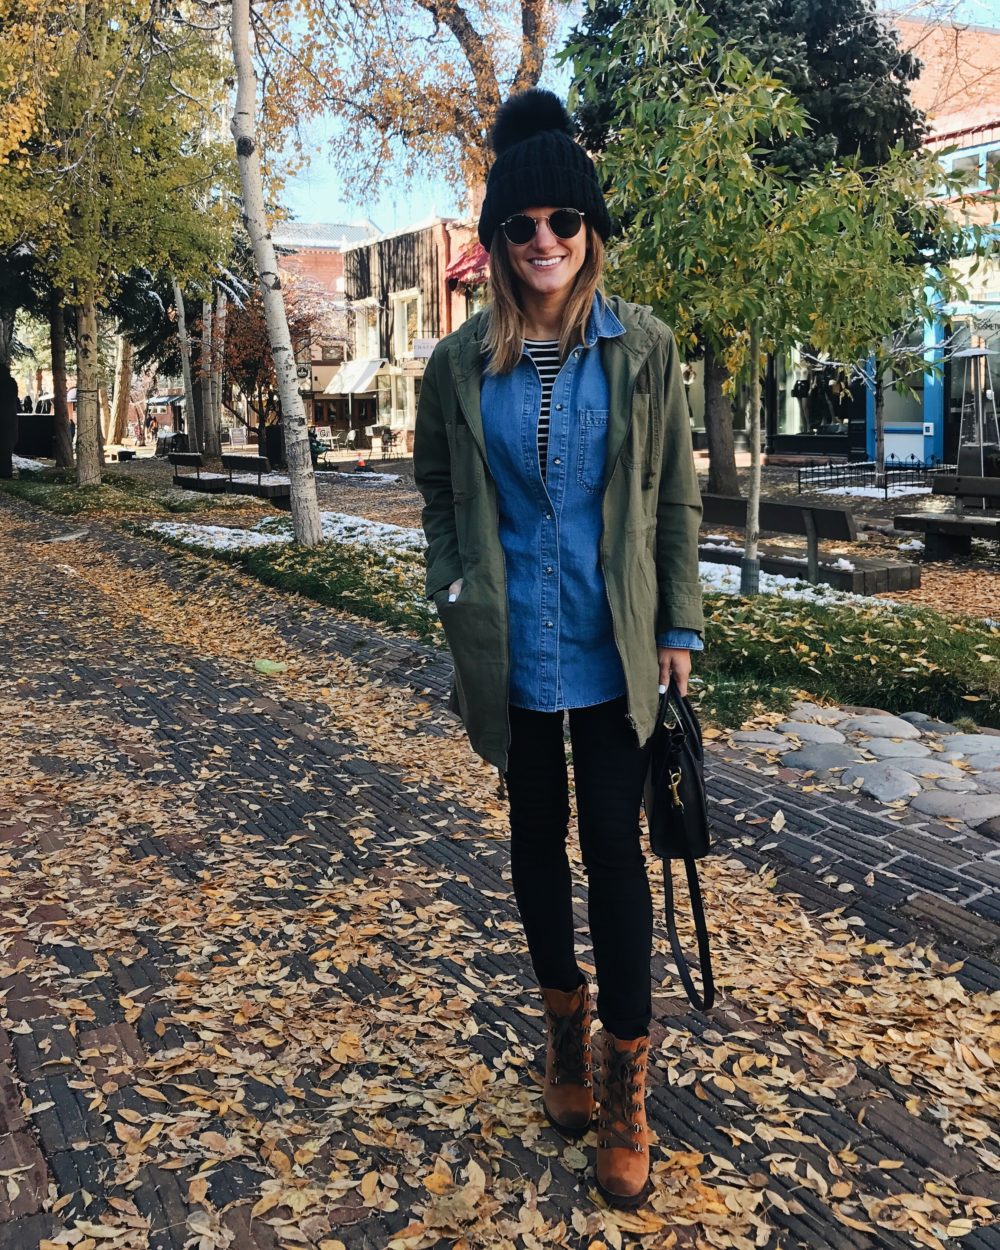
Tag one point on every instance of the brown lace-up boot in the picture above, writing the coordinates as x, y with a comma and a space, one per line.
569, 1087
622, 1139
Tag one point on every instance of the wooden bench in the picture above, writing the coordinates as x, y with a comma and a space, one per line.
951, 534
862, 575
243, 470
212, 483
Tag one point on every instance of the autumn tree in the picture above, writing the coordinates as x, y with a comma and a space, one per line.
112, 169
412, 82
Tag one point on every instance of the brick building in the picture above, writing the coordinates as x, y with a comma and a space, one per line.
313, 255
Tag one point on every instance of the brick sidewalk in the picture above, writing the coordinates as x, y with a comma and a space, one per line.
245, 956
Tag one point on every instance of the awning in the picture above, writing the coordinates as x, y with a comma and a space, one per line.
470, 266
355, 377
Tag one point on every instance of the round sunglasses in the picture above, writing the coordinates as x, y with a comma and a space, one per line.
564, 223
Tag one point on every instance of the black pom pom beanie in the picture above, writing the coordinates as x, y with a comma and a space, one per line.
539, 163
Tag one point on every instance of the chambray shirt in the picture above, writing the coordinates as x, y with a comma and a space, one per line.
562, 648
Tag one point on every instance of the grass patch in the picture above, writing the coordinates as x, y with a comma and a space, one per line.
117, 496
897, 659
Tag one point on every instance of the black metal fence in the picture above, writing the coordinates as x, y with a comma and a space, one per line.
861, 476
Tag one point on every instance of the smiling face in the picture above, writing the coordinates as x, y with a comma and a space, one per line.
546, 266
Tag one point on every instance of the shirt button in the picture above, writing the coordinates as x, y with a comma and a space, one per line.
548, 624
548, 568
557, 460
548, 516
558, 407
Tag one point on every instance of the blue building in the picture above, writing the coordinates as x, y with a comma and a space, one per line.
808, 410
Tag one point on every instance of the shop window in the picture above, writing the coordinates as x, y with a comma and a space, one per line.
406, 322
812, 397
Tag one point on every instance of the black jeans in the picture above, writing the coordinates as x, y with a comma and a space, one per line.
609, 769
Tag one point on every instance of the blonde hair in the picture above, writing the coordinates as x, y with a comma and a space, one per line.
504, 338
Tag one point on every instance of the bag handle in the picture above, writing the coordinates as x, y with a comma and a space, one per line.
704, 1001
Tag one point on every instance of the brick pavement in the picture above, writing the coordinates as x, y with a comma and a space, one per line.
168, 717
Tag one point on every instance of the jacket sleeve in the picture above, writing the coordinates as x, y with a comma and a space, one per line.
432, 472
678, 512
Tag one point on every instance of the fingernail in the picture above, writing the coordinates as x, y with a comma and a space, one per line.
452, 598
663, 690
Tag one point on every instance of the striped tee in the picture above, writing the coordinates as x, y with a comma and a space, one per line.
545, 354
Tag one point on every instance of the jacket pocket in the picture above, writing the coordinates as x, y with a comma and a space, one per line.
466, 464
593, 426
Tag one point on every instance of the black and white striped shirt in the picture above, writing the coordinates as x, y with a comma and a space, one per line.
545, 354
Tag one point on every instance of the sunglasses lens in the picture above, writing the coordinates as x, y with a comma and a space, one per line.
519, 228
565, 223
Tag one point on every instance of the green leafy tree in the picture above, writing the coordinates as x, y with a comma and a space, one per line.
838, 58
731, 249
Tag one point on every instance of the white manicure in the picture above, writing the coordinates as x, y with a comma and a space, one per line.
452, 598
663, 690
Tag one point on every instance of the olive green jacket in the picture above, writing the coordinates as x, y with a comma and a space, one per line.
651, 508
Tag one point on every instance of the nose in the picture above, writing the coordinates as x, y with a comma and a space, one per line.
544, 237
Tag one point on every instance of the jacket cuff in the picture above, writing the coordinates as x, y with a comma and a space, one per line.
680, 639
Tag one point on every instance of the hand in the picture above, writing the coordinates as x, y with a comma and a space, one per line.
675, 662
455, 589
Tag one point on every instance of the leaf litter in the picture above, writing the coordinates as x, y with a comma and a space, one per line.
341, 1107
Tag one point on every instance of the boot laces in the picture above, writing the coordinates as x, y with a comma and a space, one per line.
619, 1099
571, 1047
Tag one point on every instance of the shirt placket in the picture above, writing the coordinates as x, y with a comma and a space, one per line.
551, 571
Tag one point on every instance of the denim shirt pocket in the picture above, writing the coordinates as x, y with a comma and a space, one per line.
593, 432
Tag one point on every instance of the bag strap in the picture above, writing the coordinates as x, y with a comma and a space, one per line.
705, 1000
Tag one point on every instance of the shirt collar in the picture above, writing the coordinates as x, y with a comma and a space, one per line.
602, 323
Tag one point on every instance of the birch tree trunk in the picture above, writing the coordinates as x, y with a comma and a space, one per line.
305, 508
750, 568
218, 356
123, 391
190, 416
57, 340
88, 430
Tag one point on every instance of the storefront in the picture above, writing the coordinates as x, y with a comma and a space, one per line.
811, 411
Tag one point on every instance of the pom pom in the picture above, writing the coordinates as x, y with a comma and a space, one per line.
526, 115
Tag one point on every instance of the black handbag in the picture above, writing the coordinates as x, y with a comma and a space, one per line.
677, 815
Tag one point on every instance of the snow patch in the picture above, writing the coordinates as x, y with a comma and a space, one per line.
911, 544
360, 479
337, 527
874, 492
22, 462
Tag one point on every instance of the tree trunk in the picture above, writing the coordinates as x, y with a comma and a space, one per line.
750, 568
209, 417
190, 416
88, 427
57, 338
879, 429
218, 355
305, 508
123, 391
722, 478
106, 419
9, 419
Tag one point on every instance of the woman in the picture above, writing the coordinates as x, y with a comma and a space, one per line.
553, 451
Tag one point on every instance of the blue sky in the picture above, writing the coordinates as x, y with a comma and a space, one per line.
319, 194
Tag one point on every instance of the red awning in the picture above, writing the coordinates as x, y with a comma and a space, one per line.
470, 266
